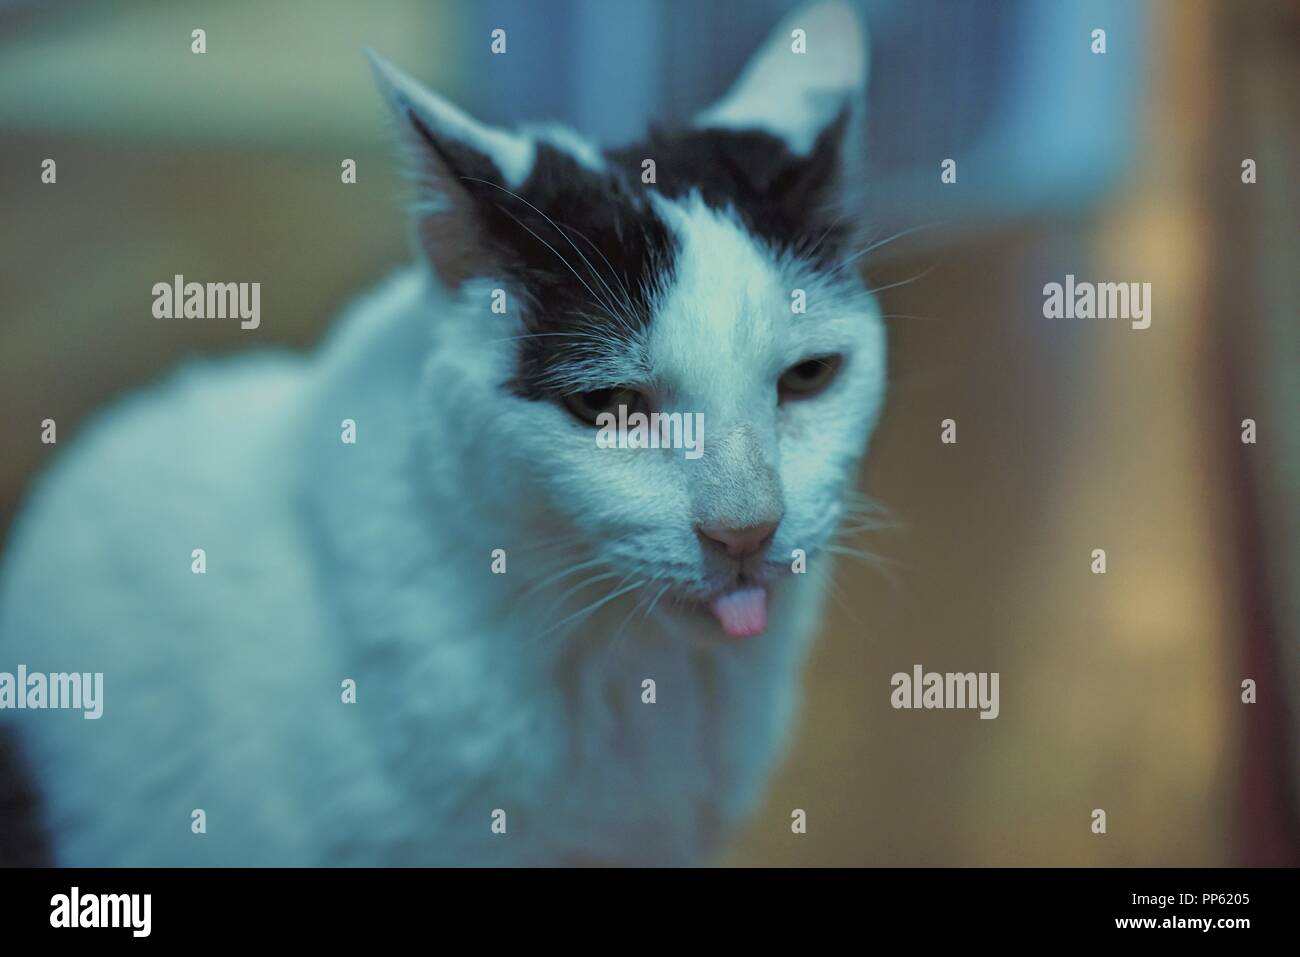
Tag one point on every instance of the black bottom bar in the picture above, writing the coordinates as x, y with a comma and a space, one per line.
366, 906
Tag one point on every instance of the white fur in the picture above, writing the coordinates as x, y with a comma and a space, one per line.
372, 561
563, 138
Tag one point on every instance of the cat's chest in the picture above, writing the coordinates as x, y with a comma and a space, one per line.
667, 749
651, 749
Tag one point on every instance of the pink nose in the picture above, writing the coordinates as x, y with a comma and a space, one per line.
738, 542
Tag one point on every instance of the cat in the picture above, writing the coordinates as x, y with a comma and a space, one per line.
471, 636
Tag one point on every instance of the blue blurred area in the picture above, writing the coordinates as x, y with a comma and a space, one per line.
1010, 89
983, 83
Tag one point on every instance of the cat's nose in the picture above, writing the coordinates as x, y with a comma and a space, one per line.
738, 542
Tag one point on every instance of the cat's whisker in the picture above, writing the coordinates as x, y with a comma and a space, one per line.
899, 315
859, 497
822, 238
865, 508
645, 617
904, 282
863, 553
622, 285
879, 243
650, 610
583, 584
560, 576
868, 520
605, 305
571, 535
848, 531
596, 298
857, 523
586, 612
557, 605
872, 560
628, 618
869, 517
564, 335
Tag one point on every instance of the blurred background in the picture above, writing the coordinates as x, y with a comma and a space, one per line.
1119, 691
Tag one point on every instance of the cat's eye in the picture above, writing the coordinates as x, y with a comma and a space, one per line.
803, 380
588, 405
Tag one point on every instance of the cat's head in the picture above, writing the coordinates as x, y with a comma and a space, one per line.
704, 271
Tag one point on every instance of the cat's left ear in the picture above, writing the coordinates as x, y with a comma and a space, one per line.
806, 82
459, 165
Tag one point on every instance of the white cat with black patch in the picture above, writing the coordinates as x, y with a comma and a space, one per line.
479, 692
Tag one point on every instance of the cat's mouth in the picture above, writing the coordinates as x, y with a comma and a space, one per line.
741, 611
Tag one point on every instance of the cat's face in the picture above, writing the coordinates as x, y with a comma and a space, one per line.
704, 273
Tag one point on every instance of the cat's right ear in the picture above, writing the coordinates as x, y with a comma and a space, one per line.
810, 71
450, 155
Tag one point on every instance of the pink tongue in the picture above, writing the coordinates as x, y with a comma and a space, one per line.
742, 613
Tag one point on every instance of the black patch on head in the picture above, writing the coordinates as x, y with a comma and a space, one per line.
585, 248
588, 251
783, 198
